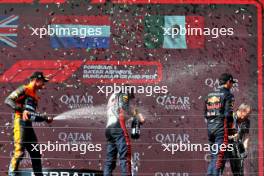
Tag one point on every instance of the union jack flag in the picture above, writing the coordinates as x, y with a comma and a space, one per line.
8, 30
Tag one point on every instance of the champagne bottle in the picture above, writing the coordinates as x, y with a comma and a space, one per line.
135, 127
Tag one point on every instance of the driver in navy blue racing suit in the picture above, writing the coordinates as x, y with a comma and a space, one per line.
219, 116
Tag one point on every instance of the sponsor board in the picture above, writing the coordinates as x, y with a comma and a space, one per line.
16, 70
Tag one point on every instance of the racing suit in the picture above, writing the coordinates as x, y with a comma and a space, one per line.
236, 156
218, 113
118, 141
24, 98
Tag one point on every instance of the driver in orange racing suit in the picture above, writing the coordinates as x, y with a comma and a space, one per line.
24, 102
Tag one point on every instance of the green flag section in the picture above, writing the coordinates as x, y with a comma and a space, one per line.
174, 32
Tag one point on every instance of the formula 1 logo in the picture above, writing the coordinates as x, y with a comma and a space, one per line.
99, 71
60, 70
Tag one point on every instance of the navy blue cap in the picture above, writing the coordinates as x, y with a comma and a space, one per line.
226, 77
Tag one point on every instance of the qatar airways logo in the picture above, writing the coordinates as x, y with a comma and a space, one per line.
77, 101
171, 102
167, 138
214, 84
75, 137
